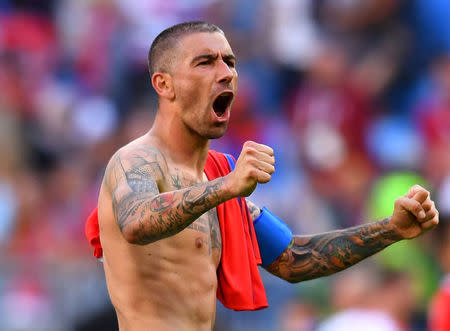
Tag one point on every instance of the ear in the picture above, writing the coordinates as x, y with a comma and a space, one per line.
162, 83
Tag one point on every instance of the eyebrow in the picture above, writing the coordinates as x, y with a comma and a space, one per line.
213, 57
229, 57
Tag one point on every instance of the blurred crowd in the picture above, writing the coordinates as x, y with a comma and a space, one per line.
354, 97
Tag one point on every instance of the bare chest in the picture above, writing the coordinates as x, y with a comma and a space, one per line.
204, 233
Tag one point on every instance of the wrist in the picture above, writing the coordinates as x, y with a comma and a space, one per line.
229, 191
391, 229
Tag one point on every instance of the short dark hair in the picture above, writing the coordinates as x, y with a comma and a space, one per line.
167, 39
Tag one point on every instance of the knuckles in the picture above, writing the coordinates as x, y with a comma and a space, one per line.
249, 144
417, 207
252, 172
417, 188
251, 151
398, 203
265, 178
255, 163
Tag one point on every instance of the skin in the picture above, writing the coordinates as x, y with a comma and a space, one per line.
158, 223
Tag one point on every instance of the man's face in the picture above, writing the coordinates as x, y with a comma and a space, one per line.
205, 83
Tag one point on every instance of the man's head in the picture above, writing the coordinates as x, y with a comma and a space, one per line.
193, 71
162, 55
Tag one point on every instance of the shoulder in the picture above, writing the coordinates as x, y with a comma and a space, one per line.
133, 152
135, 160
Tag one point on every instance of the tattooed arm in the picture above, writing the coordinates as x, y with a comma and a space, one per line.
309, 257
144, 215
134, 177
314, 256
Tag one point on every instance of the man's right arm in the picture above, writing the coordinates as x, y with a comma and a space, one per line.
145, 215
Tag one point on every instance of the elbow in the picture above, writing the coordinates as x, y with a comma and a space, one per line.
130, 237
295, 280
136, 237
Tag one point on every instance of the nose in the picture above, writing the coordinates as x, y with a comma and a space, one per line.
225, 73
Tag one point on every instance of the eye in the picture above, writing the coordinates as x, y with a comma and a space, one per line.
231, 64
204, 63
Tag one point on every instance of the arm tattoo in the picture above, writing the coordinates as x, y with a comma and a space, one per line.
254, 210
216, 237
309, 257
145, 215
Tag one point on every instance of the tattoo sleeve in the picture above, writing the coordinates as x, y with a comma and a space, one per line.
309, 257
145, 215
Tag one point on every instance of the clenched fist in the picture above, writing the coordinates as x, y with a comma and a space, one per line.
414, 214
254, 165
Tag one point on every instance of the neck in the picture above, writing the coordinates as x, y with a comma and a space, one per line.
178, 143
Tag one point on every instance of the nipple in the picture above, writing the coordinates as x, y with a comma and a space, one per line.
199, 242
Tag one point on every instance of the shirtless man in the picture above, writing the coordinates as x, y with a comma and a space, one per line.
158, 224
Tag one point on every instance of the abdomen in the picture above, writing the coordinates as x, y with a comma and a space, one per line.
172, 281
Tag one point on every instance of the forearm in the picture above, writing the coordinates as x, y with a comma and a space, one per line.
144, 218
309, 257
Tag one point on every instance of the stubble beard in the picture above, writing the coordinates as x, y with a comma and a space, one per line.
200, 127
215, 132
220, 132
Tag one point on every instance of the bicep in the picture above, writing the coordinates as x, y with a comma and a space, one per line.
132, 183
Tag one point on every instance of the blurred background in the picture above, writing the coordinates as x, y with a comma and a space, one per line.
353, 95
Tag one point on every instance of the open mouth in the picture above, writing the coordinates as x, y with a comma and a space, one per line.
222, 102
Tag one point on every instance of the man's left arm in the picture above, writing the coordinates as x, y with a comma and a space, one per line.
312, 256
